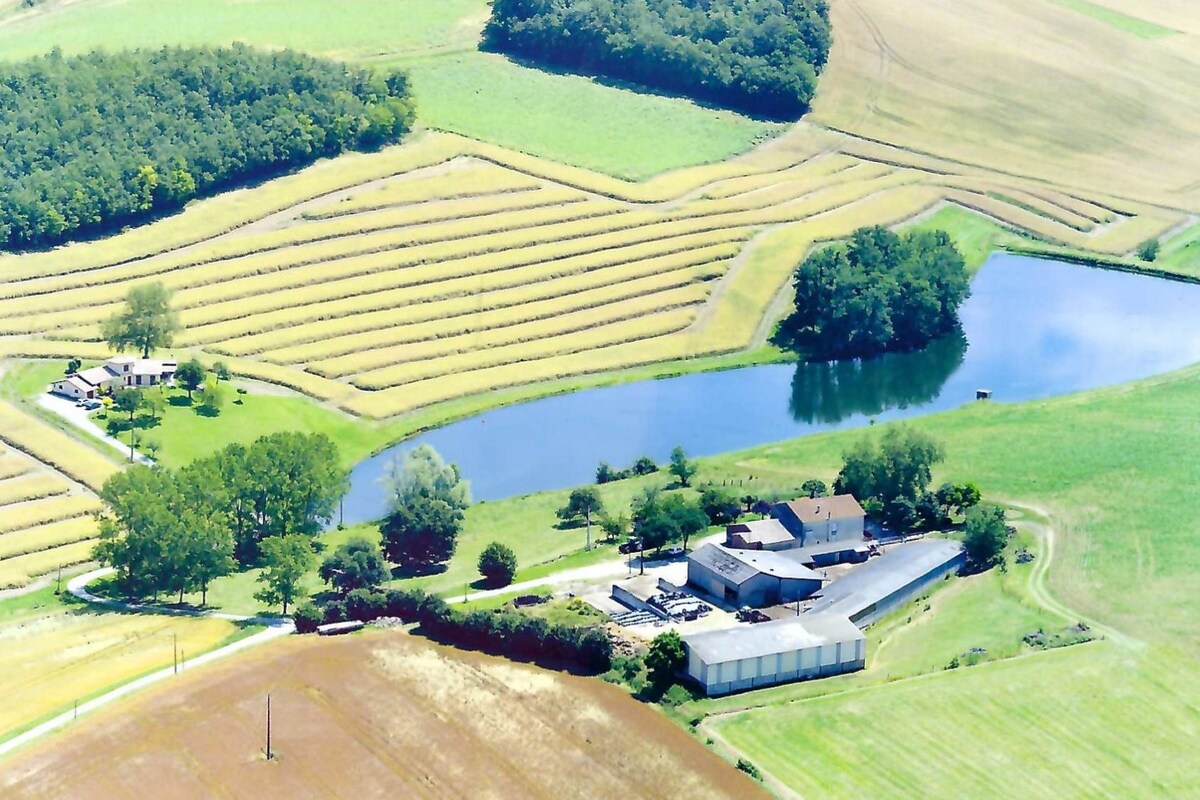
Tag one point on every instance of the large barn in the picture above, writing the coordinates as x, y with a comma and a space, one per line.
883, 584
792, 649
750, 577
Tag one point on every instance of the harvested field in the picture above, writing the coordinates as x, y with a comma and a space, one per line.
54, 654
380, 714
46, 497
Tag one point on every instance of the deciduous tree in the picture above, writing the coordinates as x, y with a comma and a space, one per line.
583, 503
682, 467
286, 559
357, 564
190, 375
427, 498
147, 322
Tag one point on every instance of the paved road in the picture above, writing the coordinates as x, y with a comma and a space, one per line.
78, 417
276, 628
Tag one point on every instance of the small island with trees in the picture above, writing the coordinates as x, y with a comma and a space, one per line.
878, 292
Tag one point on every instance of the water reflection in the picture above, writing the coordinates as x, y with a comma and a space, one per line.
829, 392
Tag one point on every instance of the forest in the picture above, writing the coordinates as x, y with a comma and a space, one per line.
761, 57
94, 142
878, 292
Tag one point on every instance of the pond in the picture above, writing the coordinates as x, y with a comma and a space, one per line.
1032, 329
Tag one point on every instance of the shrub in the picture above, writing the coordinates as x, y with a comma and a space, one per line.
498, 564
307, 617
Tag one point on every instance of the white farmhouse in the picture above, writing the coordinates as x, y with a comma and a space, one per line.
116, 373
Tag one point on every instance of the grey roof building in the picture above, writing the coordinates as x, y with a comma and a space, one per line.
755, 578
884, 583
750, 656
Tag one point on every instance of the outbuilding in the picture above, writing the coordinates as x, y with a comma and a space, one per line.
759, 534
750, 577
885, 583
769, 653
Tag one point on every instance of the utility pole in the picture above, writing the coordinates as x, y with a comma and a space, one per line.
270, 755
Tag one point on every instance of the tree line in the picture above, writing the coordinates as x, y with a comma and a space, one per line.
878, 292
757, 56
93, 142
502, 633
175, 531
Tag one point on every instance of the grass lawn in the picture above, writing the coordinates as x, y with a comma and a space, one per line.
484, 96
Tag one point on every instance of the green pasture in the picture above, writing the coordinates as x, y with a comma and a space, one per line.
562, 117
1181, 253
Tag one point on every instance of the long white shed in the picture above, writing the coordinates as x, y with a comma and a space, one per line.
768, 653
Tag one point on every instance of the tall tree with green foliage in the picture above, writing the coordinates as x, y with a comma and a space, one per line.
214, 397
665, 659
682, 467
190, 375
147, 323
427, 498
984, 535
498, 565
896, 467
286, 560
357, 564
719, 505
584, 503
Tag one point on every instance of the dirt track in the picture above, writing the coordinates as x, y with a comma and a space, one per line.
377, 715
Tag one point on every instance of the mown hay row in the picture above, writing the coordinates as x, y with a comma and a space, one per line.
656, 295
233, 280
218, 215
1126, 235
821, 167
1020, 199
46, 537
316, 324
412, 396
54, 448
303, 382
1013, 216
35, 486
12, 465
462, 178
458, 368
20, 571
523, 303
99, 298
509, 253
42, 512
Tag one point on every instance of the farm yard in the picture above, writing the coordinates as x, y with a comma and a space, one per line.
416, 719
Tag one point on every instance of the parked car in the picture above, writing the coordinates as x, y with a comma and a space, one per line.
92, 405
630, 546
673, 552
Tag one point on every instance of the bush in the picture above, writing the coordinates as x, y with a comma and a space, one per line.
1148, 251
307, 617
748, 768
498, 564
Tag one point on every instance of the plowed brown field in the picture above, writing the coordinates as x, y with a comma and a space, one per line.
377, 715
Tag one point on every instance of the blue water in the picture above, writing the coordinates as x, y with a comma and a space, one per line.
1033, 329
